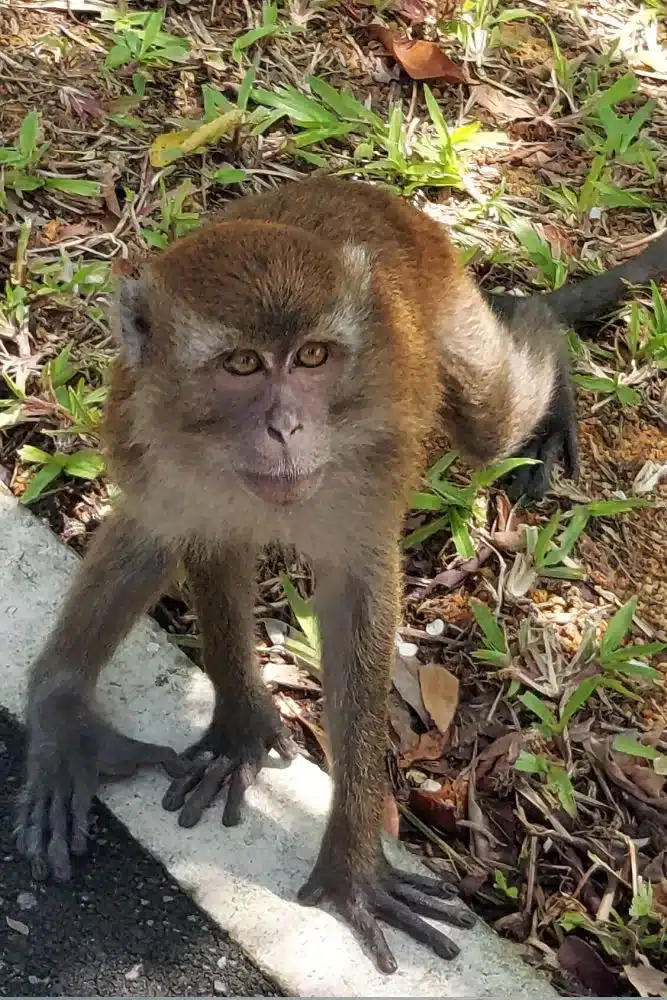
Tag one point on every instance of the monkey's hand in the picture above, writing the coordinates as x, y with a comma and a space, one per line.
555, 438
398, 898
68, 750
231, 752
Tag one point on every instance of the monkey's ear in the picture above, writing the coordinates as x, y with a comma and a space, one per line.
133, 321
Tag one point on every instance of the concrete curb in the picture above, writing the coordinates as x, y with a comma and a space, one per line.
246, 878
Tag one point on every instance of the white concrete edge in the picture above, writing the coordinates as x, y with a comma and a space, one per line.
245, 878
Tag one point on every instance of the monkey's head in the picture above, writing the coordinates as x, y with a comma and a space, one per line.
246, 345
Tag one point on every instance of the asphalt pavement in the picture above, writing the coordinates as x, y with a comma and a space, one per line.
122, 927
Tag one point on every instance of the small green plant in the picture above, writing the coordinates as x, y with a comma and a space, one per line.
556, 778
553, 270
173, 220
615, 658
85, 464
140, 39
380, 150
646, 336
500, 882
613, 387
547, 557
269, 28
616, 137
624, 743
307, 645
495, 650
64, 278
455, 506
19, 166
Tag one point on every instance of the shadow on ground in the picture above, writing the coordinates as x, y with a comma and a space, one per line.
123, 927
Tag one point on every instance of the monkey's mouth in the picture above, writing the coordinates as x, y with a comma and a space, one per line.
282, 490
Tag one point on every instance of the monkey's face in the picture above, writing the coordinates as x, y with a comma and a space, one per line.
266, 413
248, 356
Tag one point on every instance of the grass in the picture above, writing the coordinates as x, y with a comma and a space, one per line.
123, 131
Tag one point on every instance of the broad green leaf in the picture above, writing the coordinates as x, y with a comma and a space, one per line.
488, 476
84, 465
632, 746
544, 537
559, 780
493, 633
425, 501
461, 535
538, 708
492, 656
88, 189
420, 534
303, 611
28, 453
530, 763
618, 627
28, 134
40, 481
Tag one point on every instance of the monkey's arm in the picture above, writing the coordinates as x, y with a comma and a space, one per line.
358, 619
507, 389
245, 724
69, 746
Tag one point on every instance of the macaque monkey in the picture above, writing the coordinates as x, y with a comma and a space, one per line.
280, 372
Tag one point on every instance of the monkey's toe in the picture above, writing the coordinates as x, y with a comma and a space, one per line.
400, 899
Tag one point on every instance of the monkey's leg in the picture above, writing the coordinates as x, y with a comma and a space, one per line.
69, 747
358, 620
245, 724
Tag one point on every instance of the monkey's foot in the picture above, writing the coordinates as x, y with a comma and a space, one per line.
398, 898
66, 760
556, 438
219, 759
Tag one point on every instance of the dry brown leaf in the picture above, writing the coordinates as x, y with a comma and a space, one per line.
421, 60
390, 816
431, 746
495, 764
406, 682
583, 962
435, 808
642, 775
413, 11
440, 693
401, 723
502, 106
648, 982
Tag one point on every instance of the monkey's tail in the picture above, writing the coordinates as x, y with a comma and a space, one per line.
591, 297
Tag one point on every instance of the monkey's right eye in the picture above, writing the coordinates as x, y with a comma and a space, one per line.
243, 363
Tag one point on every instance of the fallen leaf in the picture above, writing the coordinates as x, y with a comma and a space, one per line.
582, 961
171, 145
400, 720
431, 746
440, 694
643, 775
413, 11
648, 982
406, 682
287, 675
421, 60
390, 816
435, 808
451, 578
502, 106
495, 765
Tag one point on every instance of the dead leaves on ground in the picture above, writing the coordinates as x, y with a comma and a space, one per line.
420, 59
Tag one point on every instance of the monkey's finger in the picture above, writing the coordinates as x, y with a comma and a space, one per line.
454, 913
58, 846
213, 779
398, 915
363, 921
34, 836
82, 800
174, 798
238, 786
427, 884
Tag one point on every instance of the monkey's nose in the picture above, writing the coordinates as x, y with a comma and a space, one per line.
282, 425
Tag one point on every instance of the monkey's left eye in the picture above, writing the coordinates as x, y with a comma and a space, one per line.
243, 363
312, 355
